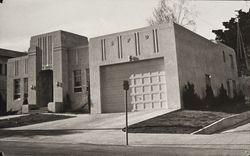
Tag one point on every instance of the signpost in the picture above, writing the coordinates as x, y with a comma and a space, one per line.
126, 88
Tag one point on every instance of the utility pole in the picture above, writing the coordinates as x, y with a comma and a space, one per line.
241, 56
126, 88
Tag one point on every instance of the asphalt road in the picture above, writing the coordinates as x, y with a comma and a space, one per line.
47, 149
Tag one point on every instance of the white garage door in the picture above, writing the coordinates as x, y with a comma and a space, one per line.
148, 90
147, 86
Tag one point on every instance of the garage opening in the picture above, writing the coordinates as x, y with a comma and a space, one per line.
147, 86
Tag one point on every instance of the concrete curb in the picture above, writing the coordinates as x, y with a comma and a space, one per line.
224, 123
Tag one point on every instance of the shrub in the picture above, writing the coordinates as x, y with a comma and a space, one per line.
190, 99
209, 99
239, 98
222, 97
221, 102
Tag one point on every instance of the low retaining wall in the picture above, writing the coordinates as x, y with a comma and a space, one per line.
224, 123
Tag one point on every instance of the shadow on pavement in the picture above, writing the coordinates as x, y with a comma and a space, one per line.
54, 132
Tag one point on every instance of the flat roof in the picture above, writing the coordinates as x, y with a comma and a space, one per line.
11, 53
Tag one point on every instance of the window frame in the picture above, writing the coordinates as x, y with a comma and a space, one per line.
77, 78
25, 86
17, 89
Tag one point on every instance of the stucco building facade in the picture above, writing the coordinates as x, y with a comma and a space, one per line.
4, 56
64, 71
157, 61
53, 74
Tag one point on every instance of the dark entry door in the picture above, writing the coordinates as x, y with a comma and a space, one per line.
45, 91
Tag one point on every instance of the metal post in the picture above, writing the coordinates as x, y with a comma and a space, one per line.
126, 110
126, 87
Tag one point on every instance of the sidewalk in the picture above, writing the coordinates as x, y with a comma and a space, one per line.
117, 137
77, 130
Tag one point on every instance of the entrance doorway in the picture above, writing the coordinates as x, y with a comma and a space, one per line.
45, 90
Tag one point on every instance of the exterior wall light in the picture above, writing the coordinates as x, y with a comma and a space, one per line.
33, 87
132, 58
59, 84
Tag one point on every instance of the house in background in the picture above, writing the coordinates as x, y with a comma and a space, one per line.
54, 74
4, 56
158, 61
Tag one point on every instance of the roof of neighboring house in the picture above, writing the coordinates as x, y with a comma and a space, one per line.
11, 53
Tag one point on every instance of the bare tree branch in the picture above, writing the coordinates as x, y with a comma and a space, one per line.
178, 11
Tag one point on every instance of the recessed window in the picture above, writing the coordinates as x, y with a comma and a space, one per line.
16, 68
77, 81
232, 61
17, 91
137, 44
77, 56
25, 90
155, 41
26, 66
25, 85
119, 42
103, 46
224, 56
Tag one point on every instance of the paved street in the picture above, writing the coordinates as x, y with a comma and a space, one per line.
74, 137
41, 149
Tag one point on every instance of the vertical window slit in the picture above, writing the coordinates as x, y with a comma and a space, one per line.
157, 45
154, 40
118, 42
102, 49
135, 45
105, 50
121, 46
138, 41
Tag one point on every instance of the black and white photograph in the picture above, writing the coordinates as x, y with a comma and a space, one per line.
124, 78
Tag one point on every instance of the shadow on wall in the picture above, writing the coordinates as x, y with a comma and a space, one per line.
221, 102
82, 107
2, 105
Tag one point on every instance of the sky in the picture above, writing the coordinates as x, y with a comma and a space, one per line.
21, 19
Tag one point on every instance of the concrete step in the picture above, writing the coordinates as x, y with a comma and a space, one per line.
39, 110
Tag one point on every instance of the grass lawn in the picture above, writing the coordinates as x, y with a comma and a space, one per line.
180, 122
30, 120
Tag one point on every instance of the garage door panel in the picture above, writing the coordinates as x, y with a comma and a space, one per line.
144, 76
114, 84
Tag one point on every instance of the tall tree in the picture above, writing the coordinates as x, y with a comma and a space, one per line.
230, 36
178, 11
